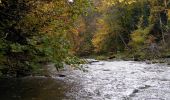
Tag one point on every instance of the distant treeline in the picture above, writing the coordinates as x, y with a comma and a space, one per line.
133, 28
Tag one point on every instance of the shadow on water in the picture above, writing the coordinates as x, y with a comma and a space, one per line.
33, 89
103, 80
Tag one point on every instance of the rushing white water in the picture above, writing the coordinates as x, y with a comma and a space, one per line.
100, 80
121, 80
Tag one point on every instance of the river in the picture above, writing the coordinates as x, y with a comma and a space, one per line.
100, 80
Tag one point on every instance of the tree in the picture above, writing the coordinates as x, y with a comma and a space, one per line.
35, 31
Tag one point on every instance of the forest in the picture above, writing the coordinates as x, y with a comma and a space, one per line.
36, 32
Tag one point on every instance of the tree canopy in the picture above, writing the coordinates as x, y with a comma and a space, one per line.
34, 32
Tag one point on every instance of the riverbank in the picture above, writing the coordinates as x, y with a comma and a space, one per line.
127, 57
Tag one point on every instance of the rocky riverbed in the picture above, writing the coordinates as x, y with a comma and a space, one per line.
99, 80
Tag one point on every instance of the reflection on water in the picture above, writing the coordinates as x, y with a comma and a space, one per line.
33, 89
103, 80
